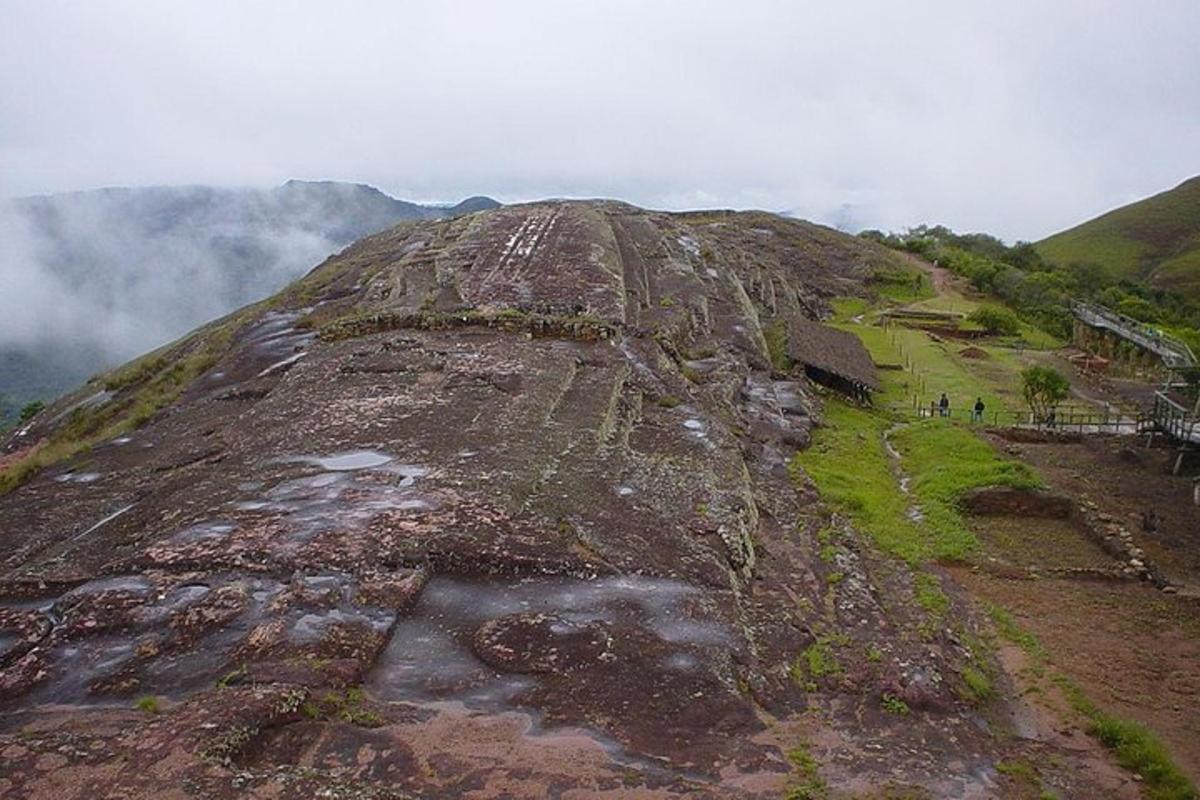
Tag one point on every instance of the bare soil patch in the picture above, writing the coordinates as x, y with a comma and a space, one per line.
1125, 480
1133, 650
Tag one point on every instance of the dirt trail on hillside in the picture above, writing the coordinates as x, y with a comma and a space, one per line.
941, 278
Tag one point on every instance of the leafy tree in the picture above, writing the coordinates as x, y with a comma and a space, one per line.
1038, 290
1043, 388
996, 320
1087, 278
1138, 308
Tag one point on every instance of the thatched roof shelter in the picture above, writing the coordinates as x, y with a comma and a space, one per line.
831, 356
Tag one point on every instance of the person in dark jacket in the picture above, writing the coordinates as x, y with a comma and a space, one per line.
977, 411
944, 405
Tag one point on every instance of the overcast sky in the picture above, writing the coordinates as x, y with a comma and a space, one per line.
1013, 117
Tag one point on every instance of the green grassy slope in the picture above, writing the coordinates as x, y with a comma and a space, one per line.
1156, 239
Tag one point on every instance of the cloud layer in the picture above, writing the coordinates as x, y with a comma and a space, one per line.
1017, 118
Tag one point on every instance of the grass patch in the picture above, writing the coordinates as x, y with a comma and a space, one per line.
806, 784
928, 591
148, 703
902, 285
979, 685
1134, 746
946, 461
819, 661
1138, 750
146, 386
348, 706
1008, 629
1017, 769
846, 309
850, 468
232, 677
776, 335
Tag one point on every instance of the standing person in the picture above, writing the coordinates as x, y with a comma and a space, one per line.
977, 411
944, 405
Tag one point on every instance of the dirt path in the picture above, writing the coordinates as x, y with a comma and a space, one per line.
943, 280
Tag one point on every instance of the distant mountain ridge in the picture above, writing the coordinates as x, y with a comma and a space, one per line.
1156, 240
94, 277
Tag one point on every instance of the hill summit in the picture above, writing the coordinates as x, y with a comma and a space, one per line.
1156, 240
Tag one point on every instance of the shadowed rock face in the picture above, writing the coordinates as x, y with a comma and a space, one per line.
521, 474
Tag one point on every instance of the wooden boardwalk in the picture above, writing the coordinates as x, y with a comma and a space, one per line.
1174, 353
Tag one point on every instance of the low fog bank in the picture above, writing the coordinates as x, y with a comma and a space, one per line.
91, 279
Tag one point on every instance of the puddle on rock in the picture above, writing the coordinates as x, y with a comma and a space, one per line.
78, 477
430, 656
346, 462
213, 529
356, 487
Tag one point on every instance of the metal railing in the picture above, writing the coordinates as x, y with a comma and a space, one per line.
1174, 419
1167, 417
1065, 419
1174, 352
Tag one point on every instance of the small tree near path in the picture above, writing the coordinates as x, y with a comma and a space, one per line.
996, 320
1043, 388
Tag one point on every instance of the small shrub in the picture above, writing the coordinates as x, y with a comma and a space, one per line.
819, 659
893, 705
996, 320
149, 703
1043, 388
31, 410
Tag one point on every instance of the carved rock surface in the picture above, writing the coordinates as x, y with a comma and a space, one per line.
489, 506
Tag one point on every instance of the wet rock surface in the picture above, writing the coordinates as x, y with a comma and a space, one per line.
497, 506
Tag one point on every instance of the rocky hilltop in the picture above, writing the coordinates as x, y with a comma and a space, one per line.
493, 506
97, 277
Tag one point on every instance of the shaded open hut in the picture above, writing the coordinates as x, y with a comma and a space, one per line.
833, 358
